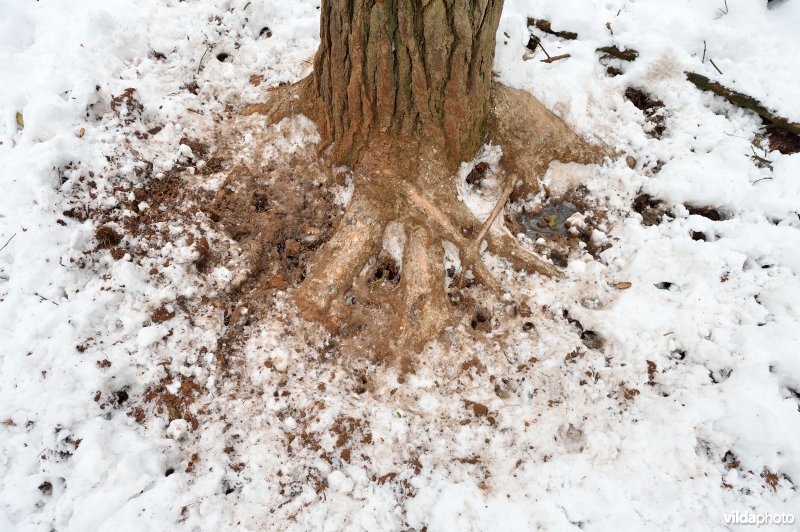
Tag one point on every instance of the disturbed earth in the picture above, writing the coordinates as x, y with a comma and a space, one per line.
156, 373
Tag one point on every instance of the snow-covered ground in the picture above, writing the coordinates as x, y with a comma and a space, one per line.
656, 388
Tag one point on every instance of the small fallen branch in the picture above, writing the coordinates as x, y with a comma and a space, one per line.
617, 53
209, 47
511, 182
8, 242
744, 101
544, 25
723, 12
42, 298
471, 253
555, 58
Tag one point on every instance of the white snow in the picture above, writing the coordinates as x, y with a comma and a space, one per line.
574, 436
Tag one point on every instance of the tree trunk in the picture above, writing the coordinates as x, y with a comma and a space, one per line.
418, 70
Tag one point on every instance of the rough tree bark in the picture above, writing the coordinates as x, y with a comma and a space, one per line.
405, 68
402, 92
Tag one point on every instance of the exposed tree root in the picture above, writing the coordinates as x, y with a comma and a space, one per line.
530, 134
283, 101
342, 258
419, 303
426, 310
342, 289
447, 231
532, 137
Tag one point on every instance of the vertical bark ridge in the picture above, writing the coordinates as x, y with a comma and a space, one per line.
388, 68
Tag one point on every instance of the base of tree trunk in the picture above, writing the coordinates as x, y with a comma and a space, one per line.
407, 180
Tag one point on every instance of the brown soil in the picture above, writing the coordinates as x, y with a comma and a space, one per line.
107, 237
176, 405
651, 209
126, 106
652, 108
161, 314
783, 141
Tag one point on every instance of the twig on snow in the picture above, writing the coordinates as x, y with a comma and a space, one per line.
208, 49
762, 162
555, 58
40, 296
535, 41
8, 241
511, 182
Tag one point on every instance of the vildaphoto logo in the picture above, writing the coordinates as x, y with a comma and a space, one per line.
750, 518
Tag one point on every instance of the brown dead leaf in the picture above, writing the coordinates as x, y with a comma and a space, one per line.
256, 79
624, 285
8, 423
630, 393
771, 479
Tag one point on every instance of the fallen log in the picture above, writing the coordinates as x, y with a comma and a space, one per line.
744, 101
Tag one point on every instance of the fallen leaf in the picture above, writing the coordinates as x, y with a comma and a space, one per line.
623, 285
8, 423
81, 133
256, 80
551, 220
20, 120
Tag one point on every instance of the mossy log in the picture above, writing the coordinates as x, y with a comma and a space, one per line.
744, 101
